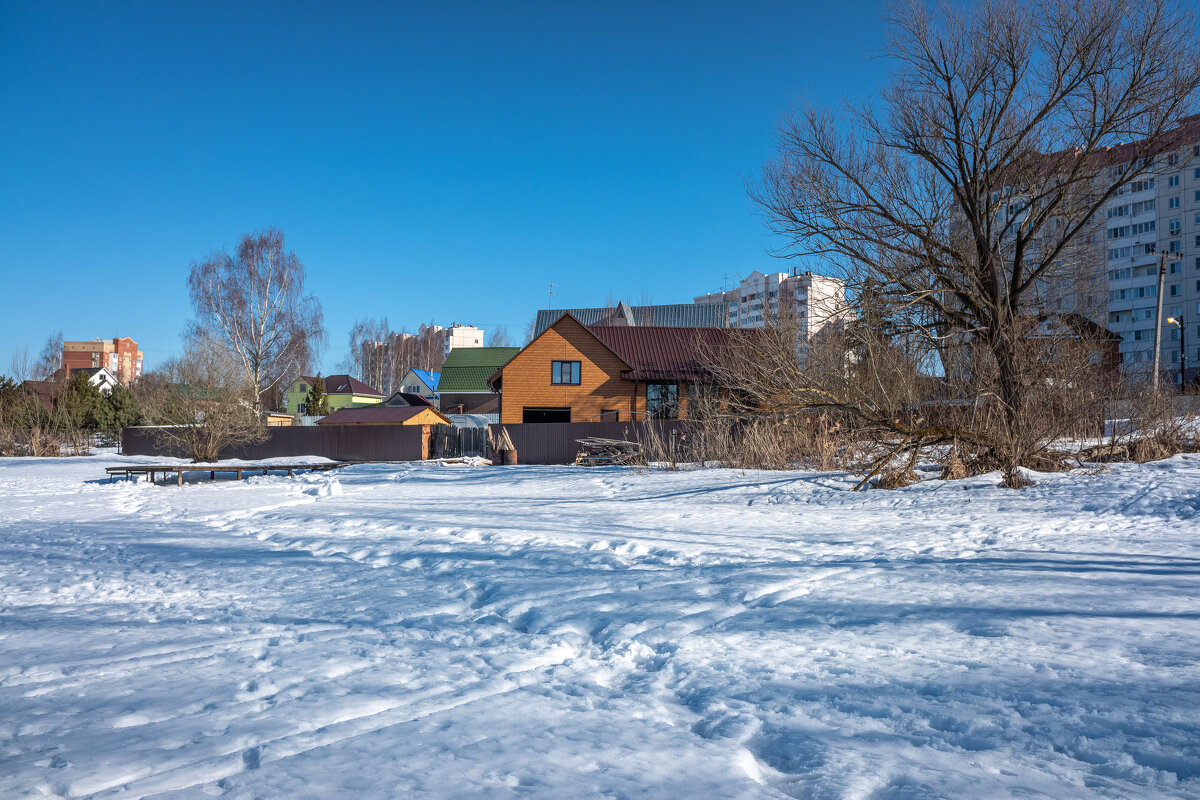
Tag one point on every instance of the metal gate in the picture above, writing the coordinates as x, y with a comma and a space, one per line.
450, 441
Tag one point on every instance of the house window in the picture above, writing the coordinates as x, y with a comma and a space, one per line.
302, 409
564, 372
662, 400
1173, 180
1173, 202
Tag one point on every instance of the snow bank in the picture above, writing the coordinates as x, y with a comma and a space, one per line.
418, 631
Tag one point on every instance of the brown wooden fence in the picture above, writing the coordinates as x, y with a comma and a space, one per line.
339, 442
555, 442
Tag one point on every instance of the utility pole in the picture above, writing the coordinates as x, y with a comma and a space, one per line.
1183, 358
1158, 320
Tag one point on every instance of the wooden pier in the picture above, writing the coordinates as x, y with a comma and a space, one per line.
152, 471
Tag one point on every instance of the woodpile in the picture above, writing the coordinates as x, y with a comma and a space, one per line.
597, 452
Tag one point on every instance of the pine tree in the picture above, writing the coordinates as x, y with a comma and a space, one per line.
316, 401
119, 410
78, 403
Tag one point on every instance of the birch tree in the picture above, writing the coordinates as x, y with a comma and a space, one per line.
253, 303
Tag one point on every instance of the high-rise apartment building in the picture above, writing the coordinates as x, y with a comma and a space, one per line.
1153, 221
120, 356
816, 299
461, 336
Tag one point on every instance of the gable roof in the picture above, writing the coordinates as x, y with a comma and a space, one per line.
427, 377
402, 399
665, 353
467, 369
342, 384
678, 315
655, 353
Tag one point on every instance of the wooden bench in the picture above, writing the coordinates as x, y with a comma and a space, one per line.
152, 471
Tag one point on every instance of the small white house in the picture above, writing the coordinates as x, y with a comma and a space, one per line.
101, 378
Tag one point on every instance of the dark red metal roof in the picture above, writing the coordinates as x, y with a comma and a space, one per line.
659, 353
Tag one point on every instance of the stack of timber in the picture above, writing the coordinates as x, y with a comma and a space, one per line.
597, 452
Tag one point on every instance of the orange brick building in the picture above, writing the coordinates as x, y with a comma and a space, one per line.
120, 356
576, 373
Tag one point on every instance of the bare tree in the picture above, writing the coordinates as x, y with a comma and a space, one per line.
253, 304
371, 350
50, 359
200, 403
499, 337
971, 191
428, 349
21, 365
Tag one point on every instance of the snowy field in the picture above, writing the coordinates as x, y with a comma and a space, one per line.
435, 631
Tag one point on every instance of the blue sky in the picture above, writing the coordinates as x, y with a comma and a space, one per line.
435, 162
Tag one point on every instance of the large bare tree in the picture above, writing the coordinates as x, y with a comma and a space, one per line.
253, 303
969, 194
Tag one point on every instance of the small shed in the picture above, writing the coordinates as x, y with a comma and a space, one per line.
386, 415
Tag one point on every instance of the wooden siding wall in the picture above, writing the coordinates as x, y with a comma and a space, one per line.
526, 379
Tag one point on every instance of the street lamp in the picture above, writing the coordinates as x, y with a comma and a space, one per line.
1182, 353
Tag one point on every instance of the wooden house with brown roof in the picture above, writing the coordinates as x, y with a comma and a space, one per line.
572, 372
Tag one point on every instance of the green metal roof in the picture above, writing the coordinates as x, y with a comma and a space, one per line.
467, 369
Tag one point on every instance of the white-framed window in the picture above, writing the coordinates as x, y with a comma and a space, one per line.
1173, 202
1173, 181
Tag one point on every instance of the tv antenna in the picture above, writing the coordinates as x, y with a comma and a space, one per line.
550, 299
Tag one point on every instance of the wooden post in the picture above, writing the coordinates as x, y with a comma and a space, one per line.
239, 474
212, 475
180, 474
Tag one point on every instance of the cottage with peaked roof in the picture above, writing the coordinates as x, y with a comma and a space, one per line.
341, 391
422, 382
463, 386
573, 372
99, 377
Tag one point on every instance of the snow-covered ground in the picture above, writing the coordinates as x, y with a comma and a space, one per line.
455, 631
